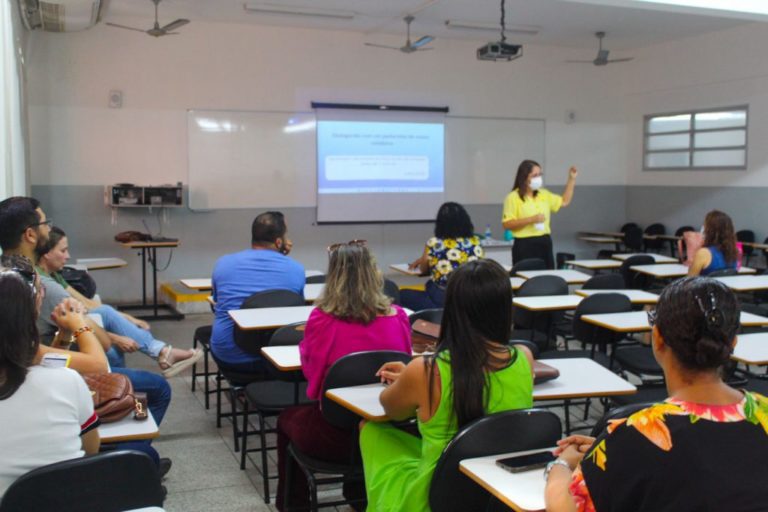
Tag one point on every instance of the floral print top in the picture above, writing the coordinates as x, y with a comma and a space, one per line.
445, 254
679, 455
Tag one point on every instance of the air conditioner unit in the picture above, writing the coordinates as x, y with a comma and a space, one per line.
61, 15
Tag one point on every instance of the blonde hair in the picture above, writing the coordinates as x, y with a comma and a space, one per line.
353, 286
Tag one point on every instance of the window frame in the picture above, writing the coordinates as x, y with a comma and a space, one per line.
691, 132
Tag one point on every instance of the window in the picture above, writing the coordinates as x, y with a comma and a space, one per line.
713, 139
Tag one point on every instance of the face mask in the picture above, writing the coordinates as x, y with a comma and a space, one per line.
536, 183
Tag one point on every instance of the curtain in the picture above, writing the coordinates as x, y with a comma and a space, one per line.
12, 153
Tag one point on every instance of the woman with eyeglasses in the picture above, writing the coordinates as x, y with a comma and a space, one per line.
453, 245
351, 315
46, 414
472, 373
700, 449
528, 209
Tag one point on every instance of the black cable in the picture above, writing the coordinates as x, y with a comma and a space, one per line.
503, 26
168, 264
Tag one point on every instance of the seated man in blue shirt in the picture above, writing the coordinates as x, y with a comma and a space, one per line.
265, 266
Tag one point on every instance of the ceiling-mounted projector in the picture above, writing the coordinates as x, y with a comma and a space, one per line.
500, 50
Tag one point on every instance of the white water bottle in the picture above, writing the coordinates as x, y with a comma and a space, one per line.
488, 235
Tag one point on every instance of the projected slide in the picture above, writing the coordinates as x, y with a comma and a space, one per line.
357, 157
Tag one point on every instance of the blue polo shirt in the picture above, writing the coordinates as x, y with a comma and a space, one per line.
238, 276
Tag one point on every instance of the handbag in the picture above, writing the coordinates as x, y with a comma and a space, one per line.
132, 236
113, 397
80, 280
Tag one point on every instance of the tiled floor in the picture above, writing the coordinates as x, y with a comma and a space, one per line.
205, 475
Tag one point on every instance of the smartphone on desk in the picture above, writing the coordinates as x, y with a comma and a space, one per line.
522, 463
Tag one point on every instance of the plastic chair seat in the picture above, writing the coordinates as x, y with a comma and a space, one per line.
638, 360
644, 394
325, 467
274, 395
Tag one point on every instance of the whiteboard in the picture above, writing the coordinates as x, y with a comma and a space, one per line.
246, 159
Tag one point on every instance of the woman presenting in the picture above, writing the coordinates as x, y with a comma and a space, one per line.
527, 211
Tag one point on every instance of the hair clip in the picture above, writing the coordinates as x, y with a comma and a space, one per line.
713, 317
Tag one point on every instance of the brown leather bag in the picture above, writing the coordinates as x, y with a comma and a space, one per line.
132, 236
543, 372
424, 336
113, 397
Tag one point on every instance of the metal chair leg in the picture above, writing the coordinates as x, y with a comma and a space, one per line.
244, 435
194, 366
219, 377
233, 399
264, 462
207, 383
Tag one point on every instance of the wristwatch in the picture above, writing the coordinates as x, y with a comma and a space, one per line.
556, 462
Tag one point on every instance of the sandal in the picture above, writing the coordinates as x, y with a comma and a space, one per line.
169, 370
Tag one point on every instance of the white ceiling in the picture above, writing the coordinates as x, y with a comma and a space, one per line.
560, 22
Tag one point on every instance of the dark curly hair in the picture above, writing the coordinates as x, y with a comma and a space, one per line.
719, 232
698, 318
453, 222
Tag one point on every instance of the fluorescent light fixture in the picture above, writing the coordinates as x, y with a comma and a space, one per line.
296, 127
288, 10
745, 6
530, 30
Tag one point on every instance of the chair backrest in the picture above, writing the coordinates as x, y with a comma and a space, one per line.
354, 370
597, 304
505, 432
316, 279
543, 285
629, 225
617, 413
633, 238
534, 348
746, 235
108, 482
681, 251
434, 315
392, 291
633, 279
290, 334
682, 229
539, 286
604, 282
252, 341
655, 229
562, 257
723, 272
528, 264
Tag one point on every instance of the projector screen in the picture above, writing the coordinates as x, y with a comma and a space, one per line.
372, 166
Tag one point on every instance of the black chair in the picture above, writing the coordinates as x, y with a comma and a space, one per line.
653, 244
269, 398
635, 280
351, 370
510, 431
528, 264
629, 225
392, 291
434, 315
679, 233
534, 348
202, 338
633, 239
646, 394
604, 282
527, 323
316, 279
746, 235
252, 341
562, 257
618, 413
107, 482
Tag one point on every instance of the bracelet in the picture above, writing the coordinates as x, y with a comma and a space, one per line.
81, 331
556, 462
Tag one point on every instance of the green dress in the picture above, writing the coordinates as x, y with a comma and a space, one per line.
399, 466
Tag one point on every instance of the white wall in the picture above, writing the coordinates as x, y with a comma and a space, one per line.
719, 69
77, 140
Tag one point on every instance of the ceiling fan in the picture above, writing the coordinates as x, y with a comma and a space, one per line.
602, 55
409, 47
157, 30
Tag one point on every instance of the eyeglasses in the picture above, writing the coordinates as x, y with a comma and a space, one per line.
651, 317
47, 222
353, 243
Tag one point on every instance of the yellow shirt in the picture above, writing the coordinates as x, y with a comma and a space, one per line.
515, 208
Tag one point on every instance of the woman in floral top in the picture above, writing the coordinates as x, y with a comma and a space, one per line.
454, 244
702, 449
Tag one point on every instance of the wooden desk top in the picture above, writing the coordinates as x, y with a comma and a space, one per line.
273, 318
637, 321
403, 269
128, 429
745, 283
570, 276
666, 270
658, 258
206, 283
579, 378
756, 245
600, 239
594, 264
751, 348
101, 263
609, 234
548, 302
635, 296
516, 282
523, 492
147, 245
496, 244
284, 358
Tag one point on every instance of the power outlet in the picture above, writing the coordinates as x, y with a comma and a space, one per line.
115, 99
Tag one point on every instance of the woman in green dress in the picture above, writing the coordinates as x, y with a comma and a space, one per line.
473, 373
